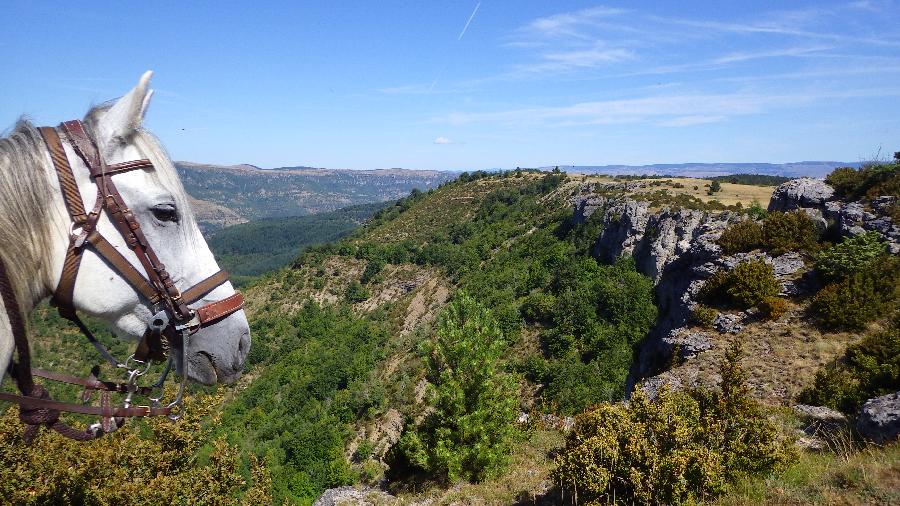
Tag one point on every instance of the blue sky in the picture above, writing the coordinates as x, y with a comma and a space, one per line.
427, 84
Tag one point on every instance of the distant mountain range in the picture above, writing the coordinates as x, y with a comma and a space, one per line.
228, 195
793, 169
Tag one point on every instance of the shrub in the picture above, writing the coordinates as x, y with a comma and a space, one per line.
714, 290
356, 292
539, 306
870, 368
869, 181
756, 211
745, 235
155, 462
773, 308
714, 187
470, 431
684, 447
844, 180
860, 298
851, 256
794, 231
704, 316
745, 286
373, 267
751, 282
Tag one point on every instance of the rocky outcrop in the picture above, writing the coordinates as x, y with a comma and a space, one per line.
347, 496
677, 249
821, 428
803, 193
879, 419
817, 199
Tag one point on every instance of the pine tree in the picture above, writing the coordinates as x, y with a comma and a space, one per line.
469, 433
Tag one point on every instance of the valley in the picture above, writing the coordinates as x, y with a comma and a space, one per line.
231, 195
594, 289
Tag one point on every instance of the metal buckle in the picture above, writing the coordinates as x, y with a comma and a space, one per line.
77, 238
159, 322
190, 325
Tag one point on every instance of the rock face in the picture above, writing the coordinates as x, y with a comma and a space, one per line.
678, 250
800, 194
347, 496
879, 419
817, 199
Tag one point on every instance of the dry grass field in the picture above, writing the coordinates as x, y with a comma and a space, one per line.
730, 194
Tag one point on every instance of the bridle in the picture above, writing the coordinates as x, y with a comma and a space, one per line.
170, 327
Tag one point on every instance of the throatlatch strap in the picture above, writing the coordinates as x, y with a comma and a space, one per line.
64, 173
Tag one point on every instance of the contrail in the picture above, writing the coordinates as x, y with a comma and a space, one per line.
463, 32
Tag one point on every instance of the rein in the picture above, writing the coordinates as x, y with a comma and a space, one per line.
172, 323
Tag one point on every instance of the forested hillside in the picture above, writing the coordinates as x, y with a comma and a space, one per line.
250, 249
472, 344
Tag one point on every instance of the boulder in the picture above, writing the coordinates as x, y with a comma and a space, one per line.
787, 264
728, 323
819, 419
800, 193
879, 419
347, 496
688, 344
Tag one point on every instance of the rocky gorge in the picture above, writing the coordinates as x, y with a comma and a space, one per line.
678, 249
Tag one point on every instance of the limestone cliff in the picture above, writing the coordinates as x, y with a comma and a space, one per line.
677, 249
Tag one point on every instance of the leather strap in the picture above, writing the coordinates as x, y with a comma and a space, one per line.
118, 262
71, 194
89, 383
71, 407
210, 313
118, 168
198, 291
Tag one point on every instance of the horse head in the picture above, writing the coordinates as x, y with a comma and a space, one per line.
161, 207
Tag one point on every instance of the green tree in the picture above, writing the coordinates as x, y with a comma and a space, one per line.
470, 432
714, 187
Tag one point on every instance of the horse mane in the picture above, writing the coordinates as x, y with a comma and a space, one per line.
28, 223
26, 212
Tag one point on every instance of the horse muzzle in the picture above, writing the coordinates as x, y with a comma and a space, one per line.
216, 354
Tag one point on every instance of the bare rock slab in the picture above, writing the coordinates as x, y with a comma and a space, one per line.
879, 419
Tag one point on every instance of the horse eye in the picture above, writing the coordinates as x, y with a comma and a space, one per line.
165, 212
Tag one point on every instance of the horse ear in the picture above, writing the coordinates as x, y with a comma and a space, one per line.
127, 114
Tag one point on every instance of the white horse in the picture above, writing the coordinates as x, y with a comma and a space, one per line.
35, 229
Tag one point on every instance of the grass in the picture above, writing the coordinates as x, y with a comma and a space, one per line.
454, 203
869, 476
524, 481
729, 195
781, 357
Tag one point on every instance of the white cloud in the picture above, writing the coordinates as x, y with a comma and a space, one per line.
443, 140
777, 53
568, 24
667, 110
683, 121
